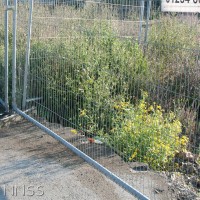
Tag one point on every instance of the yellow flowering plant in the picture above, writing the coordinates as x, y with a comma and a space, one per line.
147, 134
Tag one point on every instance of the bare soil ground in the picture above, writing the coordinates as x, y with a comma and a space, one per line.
33, 165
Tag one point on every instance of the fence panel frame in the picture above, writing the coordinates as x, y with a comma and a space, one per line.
81, 154
25, 101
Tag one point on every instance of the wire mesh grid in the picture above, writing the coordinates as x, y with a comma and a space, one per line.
126, 97
2, 79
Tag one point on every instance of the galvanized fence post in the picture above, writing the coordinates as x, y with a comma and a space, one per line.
147, 20
14, 51
6, 58
141, 20
26, 69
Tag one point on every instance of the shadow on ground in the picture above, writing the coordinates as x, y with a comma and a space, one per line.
2, 194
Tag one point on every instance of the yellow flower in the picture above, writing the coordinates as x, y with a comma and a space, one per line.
142, 106
150, 108
133, 155
121, 105
159, 107
74, 131
184, 141
171, 116
144, 94
116, 107
83, 113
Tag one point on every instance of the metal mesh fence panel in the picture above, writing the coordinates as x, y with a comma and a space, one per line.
118, 82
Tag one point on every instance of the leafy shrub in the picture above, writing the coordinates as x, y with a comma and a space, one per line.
87, 74
145, 133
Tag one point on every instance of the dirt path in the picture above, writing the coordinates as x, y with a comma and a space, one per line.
35, 166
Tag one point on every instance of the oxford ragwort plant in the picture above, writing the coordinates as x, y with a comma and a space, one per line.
145, 133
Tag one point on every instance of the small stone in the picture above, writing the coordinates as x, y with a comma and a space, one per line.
173, 177
158, 190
